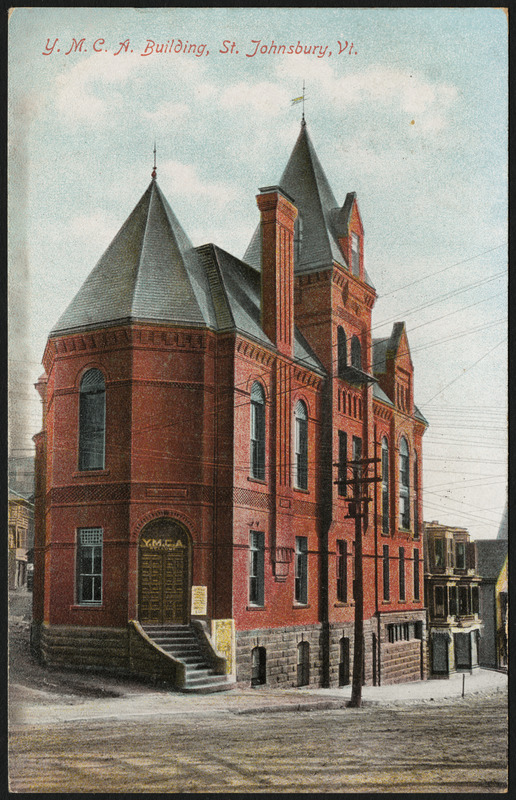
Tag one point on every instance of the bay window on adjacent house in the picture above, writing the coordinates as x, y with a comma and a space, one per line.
404, 488
257, 432
301, 445
301, 570
89, 566
385, 485
92, 420
460, 555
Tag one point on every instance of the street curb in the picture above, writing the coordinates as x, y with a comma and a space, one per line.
317, 706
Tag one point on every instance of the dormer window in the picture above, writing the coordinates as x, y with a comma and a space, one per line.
355, 254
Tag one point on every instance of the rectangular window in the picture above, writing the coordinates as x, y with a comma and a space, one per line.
463, 601
342, 571
416, 575
402, 572
451, 561
301, 434
256, 568
438, 553
343, 464
460, 555
385, 489
355, 254
89, 565
452, 600
301, 573
439, 601
475, 606
386, 573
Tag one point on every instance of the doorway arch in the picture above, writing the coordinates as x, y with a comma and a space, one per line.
164, 569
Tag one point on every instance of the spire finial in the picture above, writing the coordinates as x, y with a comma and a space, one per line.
154, 167
301, 99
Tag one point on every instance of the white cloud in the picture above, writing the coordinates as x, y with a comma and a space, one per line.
77, 96
185, 181
168, 112
262, 98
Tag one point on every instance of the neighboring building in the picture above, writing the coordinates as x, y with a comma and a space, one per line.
452, 598
195, 406
492, 566
21, 538
20, 472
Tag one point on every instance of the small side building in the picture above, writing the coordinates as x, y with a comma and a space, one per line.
21, 538
492, 566
452, 599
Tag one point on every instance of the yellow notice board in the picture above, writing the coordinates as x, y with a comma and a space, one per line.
223, 635
199, 600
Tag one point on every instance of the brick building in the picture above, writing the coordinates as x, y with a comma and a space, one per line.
195, 408
452, 597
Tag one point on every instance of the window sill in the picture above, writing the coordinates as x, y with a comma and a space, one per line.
256, 608
87, 473
301, 605
82, 606
340, 604
386, 602
263, 482
299, 489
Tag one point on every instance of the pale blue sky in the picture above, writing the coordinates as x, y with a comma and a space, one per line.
414, 120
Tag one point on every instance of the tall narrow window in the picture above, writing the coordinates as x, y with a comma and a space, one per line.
355, 254
303, 664
404, 486
301, 434
438, 553
439, 610
416, 497
256, 568
257, 432
385, 485
92, 420
89, 566
343, 464
416, 574
342, 351
402, 572
356, 353
386, 573
460, 555
452, 600
342, 571
301, 573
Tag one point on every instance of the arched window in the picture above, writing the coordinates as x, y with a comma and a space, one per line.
404, 485
258, 666
303, 664
92, 420
385, 485
356, 353
342, 351
301, 445
257, 432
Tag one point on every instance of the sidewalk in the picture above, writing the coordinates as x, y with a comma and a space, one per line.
32, 707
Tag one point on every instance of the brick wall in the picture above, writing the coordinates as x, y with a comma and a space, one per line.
281, 650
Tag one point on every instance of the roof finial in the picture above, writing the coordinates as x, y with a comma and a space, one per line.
154, 168
301, 99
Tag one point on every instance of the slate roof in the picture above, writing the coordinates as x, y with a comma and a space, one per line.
321, 218
491, 555
237, 292
150, 271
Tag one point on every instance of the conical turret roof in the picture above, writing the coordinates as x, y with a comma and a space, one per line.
150, 272
320, 219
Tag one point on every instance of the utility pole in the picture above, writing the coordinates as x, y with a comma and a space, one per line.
356, 510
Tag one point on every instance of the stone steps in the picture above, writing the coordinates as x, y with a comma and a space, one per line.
182, 643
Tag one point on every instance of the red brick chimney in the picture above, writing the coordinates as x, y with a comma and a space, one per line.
278, 215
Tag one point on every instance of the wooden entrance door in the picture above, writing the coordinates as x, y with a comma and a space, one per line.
164, 568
